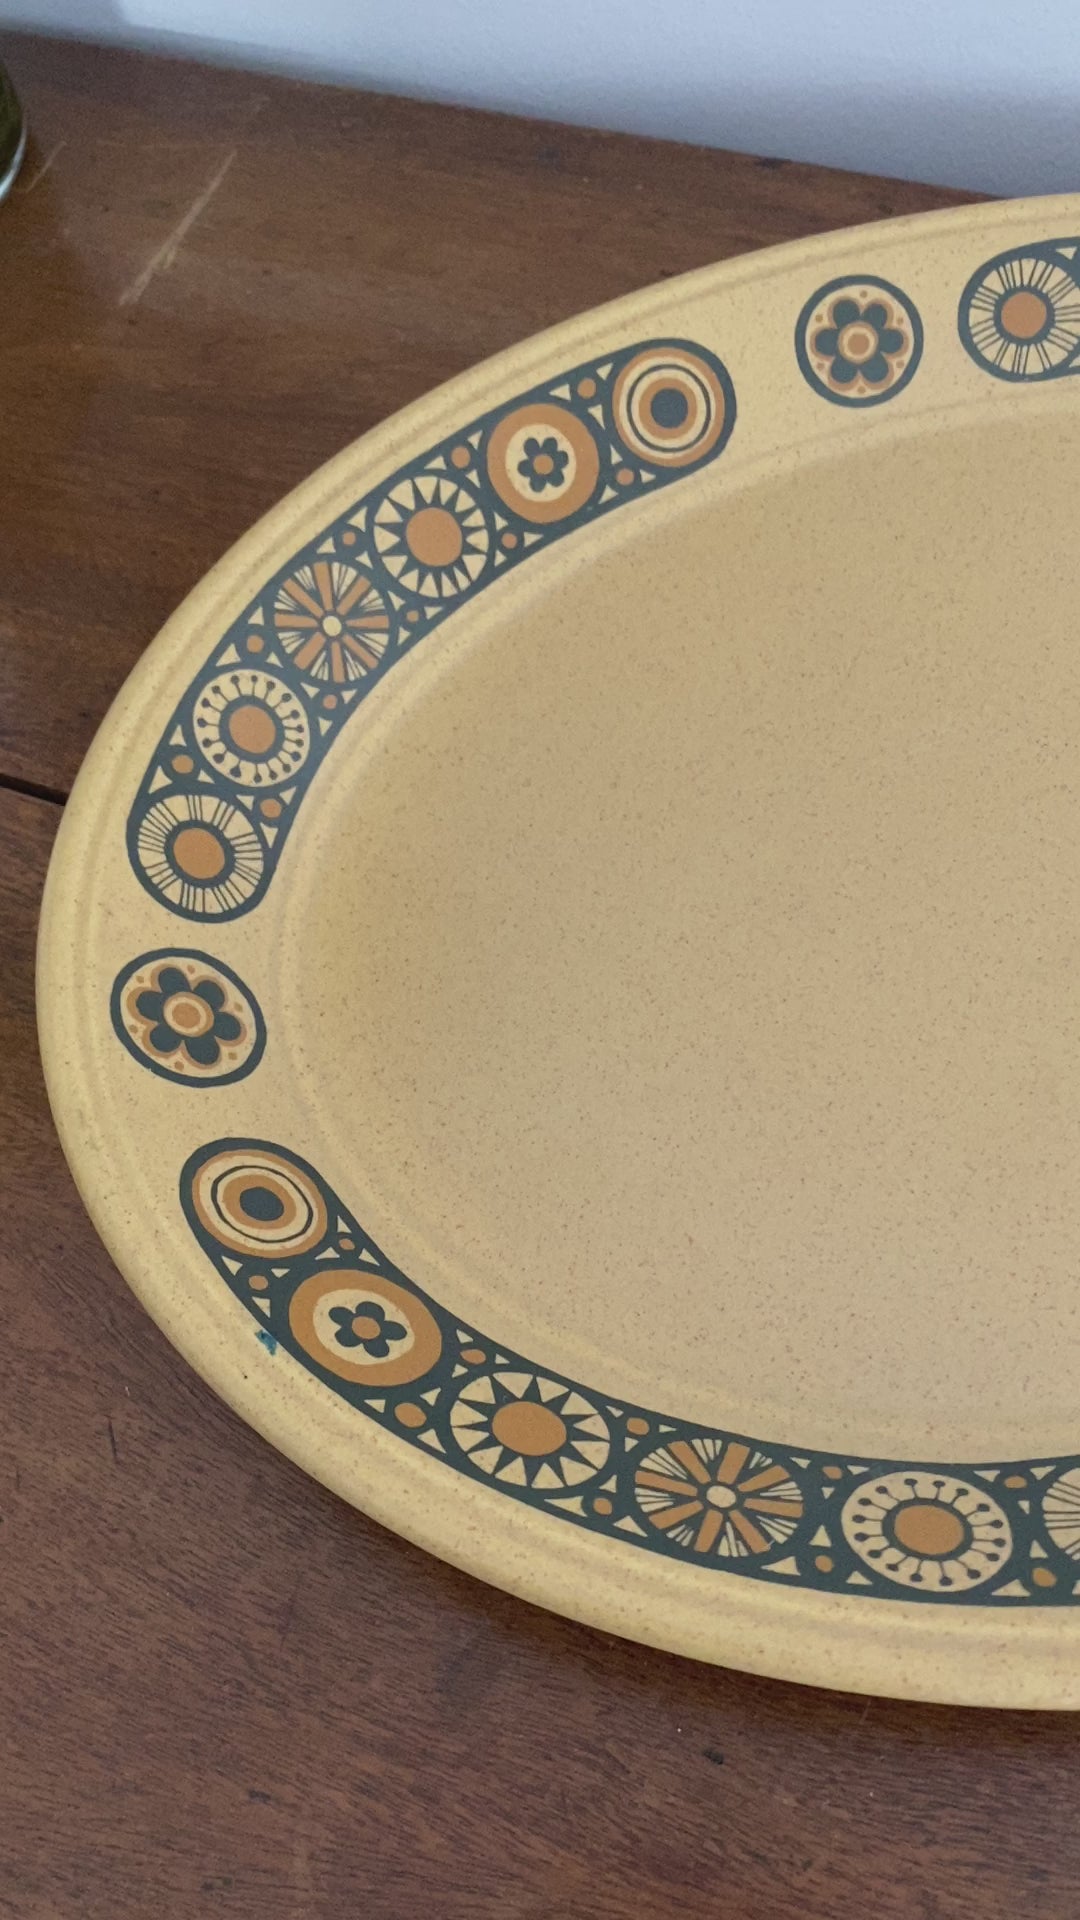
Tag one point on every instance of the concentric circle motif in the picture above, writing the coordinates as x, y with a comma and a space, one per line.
1020, 315
317, 1286
259, 715
1061, 1512
364, 1327
198, 853
858, 341
717, 1496
671, 407
188, 1018
332, 621
255, 1202
528, 1431
543, 461
251, 728
928, 1530
432, 536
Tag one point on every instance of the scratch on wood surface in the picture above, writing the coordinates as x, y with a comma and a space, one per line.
170, 246
36, 179
112, 1441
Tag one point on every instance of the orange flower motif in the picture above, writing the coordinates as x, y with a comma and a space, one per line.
718, 1496
332, 621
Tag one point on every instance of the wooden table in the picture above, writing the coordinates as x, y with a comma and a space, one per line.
221, 1691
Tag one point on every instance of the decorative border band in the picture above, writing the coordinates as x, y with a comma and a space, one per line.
316, 1285
216, 803
204, 835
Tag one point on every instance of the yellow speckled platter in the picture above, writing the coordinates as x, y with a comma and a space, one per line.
560, 976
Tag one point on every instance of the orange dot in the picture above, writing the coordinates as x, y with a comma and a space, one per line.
602, 1504
474, 1355
833, 1473
348, 538
1024, 314
858, 343
188, 1013
625, 477
270, 808
412, 616
366, 1327
254, 643
258, 1283
461, 456
329, 701
1014, 1480
527, 1427
346, 1243
543, 463
586, 388
823, 1563
433, 537
509, 540
252, 728
410, 1414
1043, 1577
198, 853
182, 763
637, 1425
926, 1527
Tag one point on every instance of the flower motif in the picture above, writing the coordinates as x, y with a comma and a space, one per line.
188, 1014
859, 341
716, 1496
544, 463
332, 620
367, 1325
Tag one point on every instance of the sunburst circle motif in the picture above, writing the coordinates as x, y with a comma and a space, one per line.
927, 1530
718, 1496
1061, 1512
332, 621
528, 1431
432, 536
1020, 316
198, 852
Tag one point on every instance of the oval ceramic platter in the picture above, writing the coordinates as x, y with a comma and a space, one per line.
560, 976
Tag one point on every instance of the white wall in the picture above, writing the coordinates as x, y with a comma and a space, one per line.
971, 93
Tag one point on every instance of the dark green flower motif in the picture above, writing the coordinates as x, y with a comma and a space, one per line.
367, 1325
544, 464
859, 341
188, 1016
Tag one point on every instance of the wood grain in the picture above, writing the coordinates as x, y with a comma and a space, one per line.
223, 278
221, 1691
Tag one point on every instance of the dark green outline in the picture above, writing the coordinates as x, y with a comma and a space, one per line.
825, 1480
1045, 250
412, 616
154, 1066
851, 281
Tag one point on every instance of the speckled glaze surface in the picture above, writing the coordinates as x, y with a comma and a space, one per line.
557, 978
